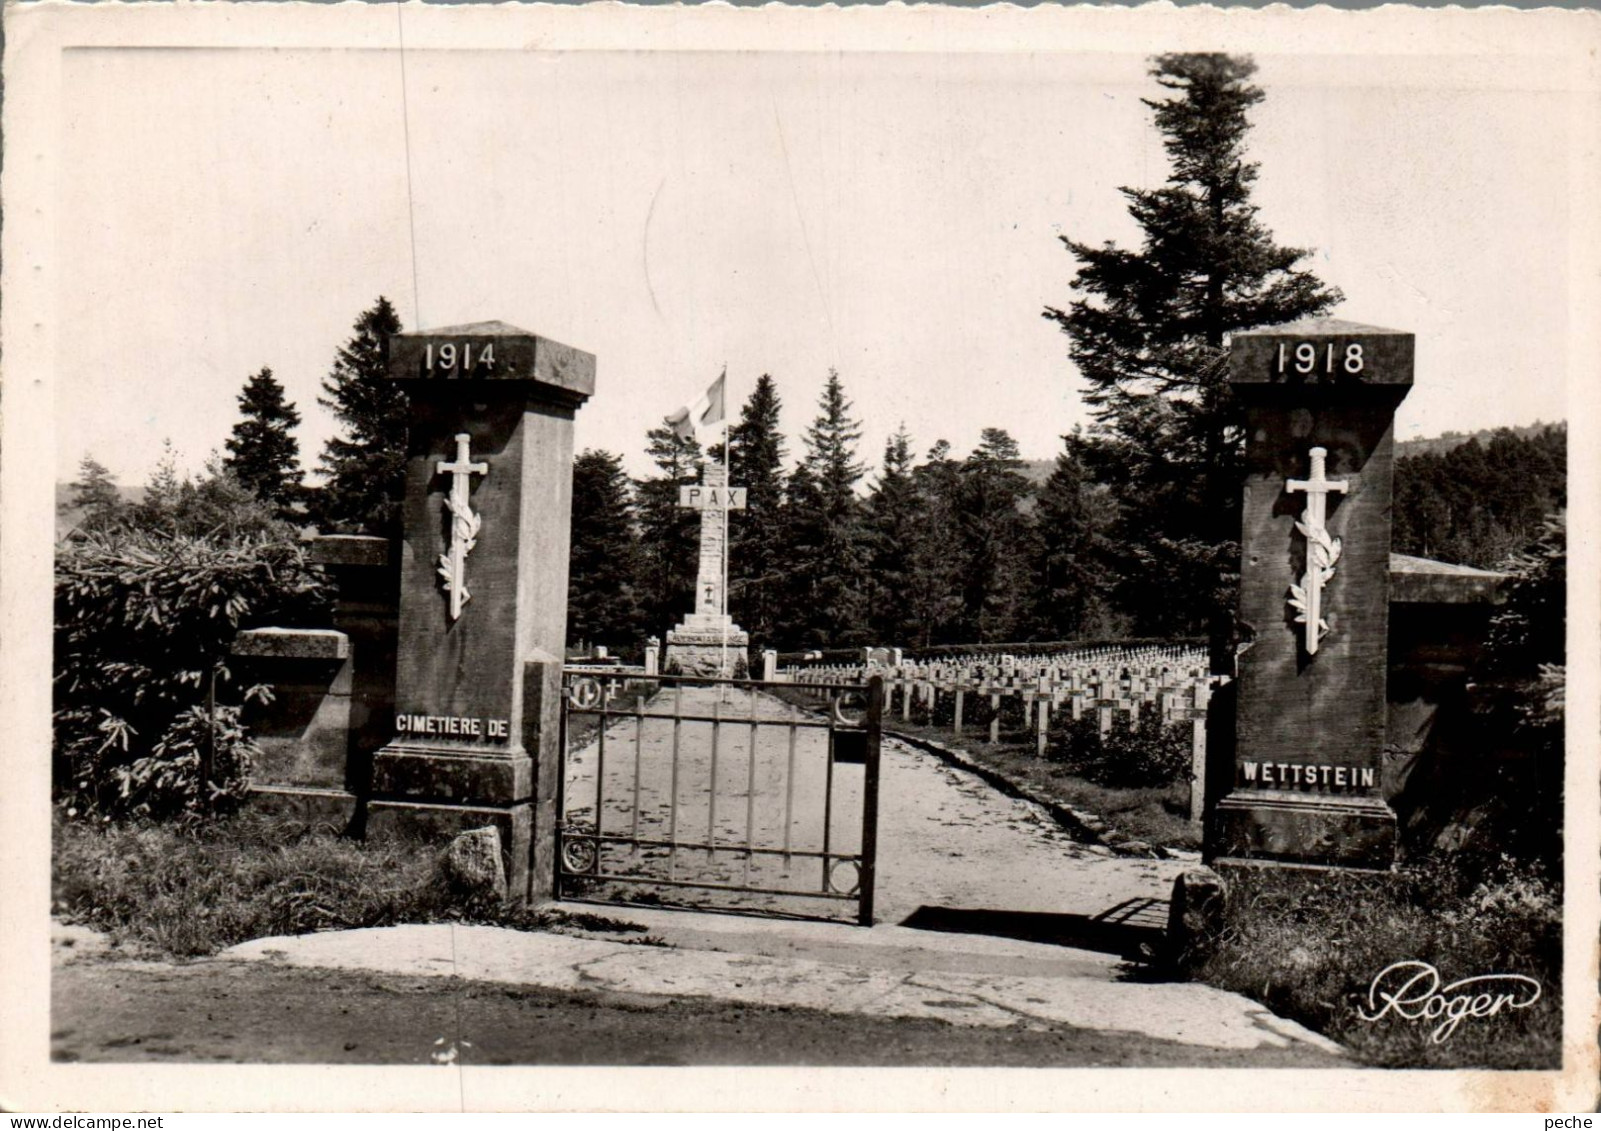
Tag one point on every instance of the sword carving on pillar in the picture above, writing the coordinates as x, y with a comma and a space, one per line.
1322, 548
464, 524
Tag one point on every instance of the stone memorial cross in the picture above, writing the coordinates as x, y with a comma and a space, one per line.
464, 524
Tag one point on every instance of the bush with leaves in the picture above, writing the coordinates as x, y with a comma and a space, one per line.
1134, 753
1518, 694
144, 620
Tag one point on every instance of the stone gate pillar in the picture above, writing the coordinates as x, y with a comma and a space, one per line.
1320, 400
483, 585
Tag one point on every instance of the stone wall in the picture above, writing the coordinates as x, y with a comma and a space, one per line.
333, 688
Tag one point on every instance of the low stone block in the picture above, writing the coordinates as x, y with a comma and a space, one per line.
293, 644
1195, 914
349, 550
330, 810
472, 864
464, 778
1351, 832
434, 823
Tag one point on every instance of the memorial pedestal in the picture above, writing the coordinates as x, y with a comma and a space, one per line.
1320, 400
483, 587
696, 647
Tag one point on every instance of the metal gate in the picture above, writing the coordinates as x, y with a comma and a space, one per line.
731, 795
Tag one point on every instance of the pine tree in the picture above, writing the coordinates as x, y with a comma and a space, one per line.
935, 592
366, 466
95, 496
263, 453
755, 533
603, 572
994, 538
1149, 331
1072, 573
669, 534
894, 525
163, 493
826, 549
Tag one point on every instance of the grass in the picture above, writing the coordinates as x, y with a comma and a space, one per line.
1309, 943
183, 892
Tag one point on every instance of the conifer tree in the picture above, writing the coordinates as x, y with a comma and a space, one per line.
602, 599
669, 534
366, 465
95, 496
826, 549
1072, 574
756, 533
163, 493
263, 454
994, 538
895, 524
935, 593
1149, 331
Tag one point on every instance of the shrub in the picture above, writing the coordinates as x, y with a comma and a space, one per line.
144, 620
1137, 752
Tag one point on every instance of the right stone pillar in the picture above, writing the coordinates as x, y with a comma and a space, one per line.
1320, 400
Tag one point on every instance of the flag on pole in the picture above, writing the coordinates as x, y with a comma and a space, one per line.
707, 410
714, 401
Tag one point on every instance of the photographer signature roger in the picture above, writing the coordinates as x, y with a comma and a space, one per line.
1411, 990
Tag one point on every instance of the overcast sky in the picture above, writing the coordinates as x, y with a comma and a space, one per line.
893, 216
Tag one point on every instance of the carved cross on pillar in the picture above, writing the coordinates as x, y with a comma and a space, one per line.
464, 524
1322, 549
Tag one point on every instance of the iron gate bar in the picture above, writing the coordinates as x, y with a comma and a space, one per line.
604, 877
711, 794
672, 803
828, 794
650, 842
750, 786
803, 724
789, 792
639, 742
867, 868
600, 776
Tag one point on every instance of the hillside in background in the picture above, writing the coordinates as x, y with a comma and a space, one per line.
1445, 441
1483, 499
67, 515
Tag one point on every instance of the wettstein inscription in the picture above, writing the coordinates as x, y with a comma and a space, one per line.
1300, 774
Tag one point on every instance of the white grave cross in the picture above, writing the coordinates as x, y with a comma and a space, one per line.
464, 524
1322, 549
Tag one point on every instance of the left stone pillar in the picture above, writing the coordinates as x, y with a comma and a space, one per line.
483, 586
